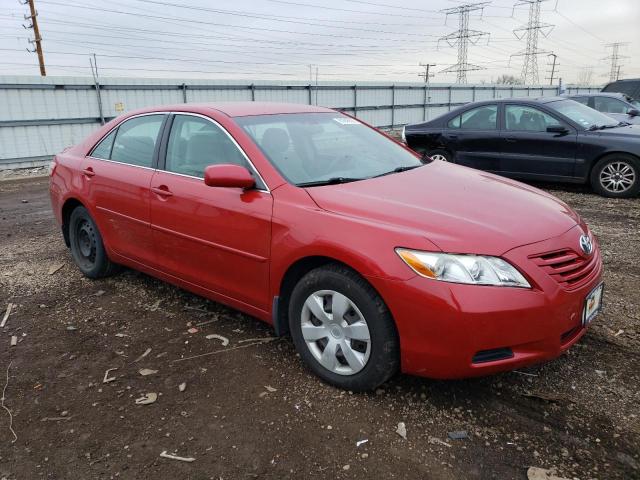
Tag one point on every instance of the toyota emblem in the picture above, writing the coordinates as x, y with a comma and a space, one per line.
586, 244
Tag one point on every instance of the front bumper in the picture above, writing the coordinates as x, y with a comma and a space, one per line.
452, 330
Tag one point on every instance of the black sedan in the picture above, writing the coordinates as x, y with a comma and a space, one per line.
617, 105
550, 139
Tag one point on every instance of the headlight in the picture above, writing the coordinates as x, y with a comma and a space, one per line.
472, 269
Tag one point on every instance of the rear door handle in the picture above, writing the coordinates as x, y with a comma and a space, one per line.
162, 190
88, 172
452, 137
511, 139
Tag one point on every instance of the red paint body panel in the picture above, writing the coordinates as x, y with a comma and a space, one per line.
235, 246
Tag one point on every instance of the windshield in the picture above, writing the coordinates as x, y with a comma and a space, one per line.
320, 148
581, 114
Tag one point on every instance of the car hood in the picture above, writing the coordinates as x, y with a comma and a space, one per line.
459, 209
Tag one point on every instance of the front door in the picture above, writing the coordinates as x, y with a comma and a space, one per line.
117, 176
215, 238
529, 151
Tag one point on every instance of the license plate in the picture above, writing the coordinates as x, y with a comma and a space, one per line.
592, 304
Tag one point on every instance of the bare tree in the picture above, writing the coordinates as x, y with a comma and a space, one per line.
506, 79
585, 77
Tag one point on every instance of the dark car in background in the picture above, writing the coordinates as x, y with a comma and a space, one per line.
550, 139
617, 105
630, 87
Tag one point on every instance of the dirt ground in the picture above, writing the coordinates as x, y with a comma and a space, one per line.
250, 410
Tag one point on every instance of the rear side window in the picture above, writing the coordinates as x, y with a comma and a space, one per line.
480, 118
136, 140
103, 149
582, 100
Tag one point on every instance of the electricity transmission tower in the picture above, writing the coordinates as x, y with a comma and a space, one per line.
33, 16
462, 38
615, 57
531, 31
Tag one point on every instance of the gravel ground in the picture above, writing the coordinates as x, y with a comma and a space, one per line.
250, 410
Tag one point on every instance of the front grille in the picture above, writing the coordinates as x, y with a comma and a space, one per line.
567, 267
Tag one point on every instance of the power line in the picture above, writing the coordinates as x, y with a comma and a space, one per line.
462, 38
531, 31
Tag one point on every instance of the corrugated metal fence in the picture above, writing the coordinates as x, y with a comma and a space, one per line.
41, 116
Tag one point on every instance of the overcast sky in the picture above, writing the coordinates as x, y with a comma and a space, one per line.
355, 40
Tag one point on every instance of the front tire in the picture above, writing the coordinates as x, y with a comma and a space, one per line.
342, 329
616, 176
441, 155
87, 247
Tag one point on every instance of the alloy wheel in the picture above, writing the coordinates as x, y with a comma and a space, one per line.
617, 177
438, 156
335, 332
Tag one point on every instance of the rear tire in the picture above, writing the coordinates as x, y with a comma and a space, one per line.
357, 351
616, 176
87, 247
441, 155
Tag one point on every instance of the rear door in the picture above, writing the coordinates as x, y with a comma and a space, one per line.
117, 175
529, 151
474, 137
215, 238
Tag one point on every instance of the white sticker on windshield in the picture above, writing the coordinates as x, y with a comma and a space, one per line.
346, 121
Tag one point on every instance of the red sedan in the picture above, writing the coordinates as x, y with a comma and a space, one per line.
372, 258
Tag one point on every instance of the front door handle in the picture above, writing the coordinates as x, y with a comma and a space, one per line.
511, 139
162, 190
88, 172
452, 137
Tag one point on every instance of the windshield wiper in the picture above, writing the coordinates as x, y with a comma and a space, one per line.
329, 181
398, 170
602, 127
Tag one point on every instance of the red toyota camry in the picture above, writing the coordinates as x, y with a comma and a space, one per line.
372, 258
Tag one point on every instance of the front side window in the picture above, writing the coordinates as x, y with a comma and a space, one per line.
316, 147
527, 119
195, 143
136, 139
609, 105
480, 118
581, 114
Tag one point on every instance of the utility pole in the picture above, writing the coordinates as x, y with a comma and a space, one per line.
553, 67
462, 38
36, 33
426, 73
531, 31
615, 57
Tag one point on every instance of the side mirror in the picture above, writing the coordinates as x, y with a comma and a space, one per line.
228, 176
557, 129
633, 112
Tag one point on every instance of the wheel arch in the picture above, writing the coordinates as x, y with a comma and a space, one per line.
70, 204
292, 275
599, 158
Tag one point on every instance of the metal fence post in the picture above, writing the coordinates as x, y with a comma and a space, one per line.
355, 100
99, 98
449, 103
494, 91
310, 95
473, 93
393, 104
426, 99
184, 93
253, 92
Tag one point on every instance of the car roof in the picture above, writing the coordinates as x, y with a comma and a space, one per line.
236, 109
539, 100
598, 94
